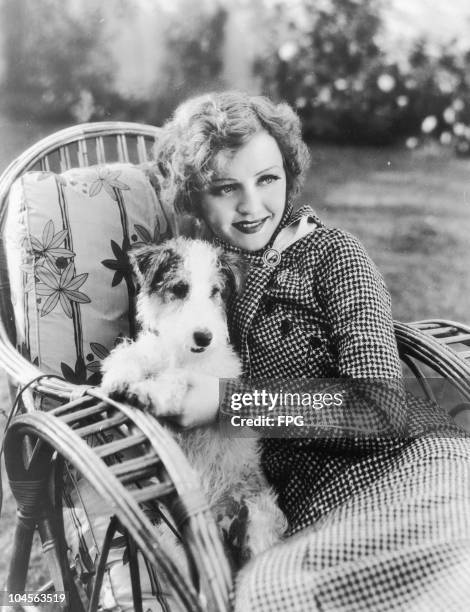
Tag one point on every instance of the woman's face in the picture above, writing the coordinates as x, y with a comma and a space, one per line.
246, 199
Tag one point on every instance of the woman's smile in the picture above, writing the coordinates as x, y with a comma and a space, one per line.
246, 199
250, 227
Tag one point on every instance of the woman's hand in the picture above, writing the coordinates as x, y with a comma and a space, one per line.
200, 404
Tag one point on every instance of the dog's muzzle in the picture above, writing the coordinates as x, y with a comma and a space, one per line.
202, 340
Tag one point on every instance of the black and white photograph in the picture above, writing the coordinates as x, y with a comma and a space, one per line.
234, 306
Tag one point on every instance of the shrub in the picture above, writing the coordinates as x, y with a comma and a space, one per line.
441, 97
328, 65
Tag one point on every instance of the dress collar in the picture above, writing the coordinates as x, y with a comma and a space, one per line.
281, 236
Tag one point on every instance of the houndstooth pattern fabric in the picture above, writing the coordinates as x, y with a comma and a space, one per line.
324, 312
398, 541
381, 526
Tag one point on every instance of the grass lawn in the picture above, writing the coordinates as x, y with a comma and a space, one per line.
410, 209
412, 212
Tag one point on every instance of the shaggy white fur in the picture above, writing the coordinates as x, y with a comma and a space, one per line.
183, 288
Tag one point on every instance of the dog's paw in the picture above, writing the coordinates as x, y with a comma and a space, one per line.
119, 373
167, 392
137, 394
267, 522
116, 388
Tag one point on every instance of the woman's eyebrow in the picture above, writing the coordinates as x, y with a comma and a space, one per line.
268, 169
227, 178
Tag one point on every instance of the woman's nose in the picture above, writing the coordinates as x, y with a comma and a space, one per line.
249, 201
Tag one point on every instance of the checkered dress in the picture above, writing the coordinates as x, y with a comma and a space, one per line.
378, 527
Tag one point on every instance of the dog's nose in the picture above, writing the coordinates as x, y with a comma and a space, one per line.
202, 338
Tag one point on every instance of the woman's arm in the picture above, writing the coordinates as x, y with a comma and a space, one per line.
358, 309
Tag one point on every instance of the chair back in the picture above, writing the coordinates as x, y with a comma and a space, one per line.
70, 207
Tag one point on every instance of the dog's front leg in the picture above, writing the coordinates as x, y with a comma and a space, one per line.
161, 395
129, 363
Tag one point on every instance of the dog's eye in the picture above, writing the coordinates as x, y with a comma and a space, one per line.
215, 291
180, 290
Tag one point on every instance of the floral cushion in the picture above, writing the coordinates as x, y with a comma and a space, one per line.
67, 236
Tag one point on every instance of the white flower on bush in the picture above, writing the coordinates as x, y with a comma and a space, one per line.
412, 142
358, 85
429, 124
354, 47
458, 105
324, 95
288, 51
341, 84
446, 82
446, 138
301, 102
459, 129
324, 5
309, 79
449, 115
402, 101
386, 83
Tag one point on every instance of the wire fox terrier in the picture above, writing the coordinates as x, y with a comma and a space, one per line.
184, 286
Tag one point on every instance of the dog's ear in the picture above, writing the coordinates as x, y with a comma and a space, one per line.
234, 269
140, 259
151, 262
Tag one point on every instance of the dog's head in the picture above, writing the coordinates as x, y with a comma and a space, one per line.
183, 289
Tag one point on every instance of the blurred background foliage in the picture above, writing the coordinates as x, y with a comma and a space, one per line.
79, 60
347, 88
67, 59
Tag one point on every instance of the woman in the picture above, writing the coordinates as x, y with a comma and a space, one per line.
376, 502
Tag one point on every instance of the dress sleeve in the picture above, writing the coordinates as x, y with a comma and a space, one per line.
358, 309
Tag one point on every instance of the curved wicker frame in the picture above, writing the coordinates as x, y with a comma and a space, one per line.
441, 345
157, 474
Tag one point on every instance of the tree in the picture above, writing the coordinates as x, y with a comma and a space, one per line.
54, 58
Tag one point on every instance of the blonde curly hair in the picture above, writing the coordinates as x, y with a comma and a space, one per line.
203, 126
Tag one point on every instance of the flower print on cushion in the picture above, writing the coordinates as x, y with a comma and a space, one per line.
67, 237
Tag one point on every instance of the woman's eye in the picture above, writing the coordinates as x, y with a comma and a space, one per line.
222, 190
180, 290
267, 179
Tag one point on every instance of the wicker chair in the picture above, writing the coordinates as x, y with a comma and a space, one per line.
39, 443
